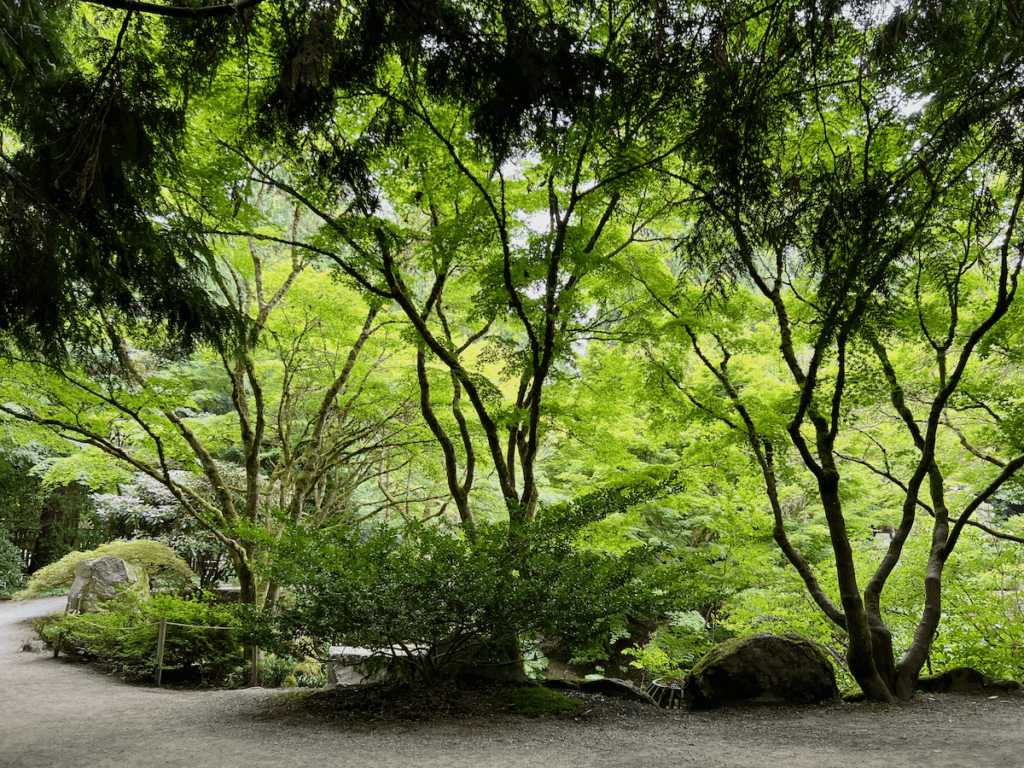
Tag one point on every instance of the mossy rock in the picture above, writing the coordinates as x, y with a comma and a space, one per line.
100, 579
762, 668
158, 560
964, 680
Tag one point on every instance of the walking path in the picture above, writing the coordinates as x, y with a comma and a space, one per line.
59, 713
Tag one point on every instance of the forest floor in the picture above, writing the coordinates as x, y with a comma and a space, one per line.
56, 712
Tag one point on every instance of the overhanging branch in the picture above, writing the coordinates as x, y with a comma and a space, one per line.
179, 11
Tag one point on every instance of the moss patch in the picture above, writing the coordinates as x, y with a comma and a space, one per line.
288, 696
734, 643
853, 694
537, 700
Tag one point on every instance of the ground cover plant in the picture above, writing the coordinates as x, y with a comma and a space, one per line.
537, 700
123, 636
272, 672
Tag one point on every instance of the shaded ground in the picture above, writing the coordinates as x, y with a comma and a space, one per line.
398, 703
59, 713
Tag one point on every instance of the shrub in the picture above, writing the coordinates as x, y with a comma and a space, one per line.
274, 672
163, 566
124, 635
466, 599
204, 553
12, 566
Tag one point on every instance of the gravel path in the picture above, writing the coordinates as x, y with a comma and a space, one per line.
59, 713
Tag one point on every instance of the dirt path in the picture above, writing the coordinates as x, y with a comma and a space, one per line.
56, 713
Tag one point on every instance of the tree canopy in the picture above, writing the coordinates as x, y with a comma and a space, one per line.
305, 262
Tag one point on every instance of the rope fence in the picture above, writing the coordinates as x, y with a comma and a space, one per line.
161, 640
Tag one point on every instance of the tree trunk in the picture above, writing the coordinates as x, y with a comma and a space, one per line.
909, 668
247, 581
882, 651
58, 513
861, 655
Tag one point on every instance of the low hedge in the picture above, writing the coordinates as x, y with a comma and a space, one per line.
124, 633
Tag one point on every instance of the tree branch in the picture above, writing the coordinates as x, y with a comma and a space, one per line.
179, 11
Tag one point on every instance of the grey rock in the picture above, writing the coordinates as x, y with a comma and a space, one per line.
100, 578
348, 662
761, 668
32, 646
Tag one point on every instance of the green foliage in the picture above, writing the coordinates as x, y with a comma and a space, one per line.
598, 648
146, 508
47, 519
655, 663
162, 565
982, 611
982, 616
520, 222
204, 554
124, 635
534, 660
274, 672
101, 156
12, 566
673, 649
435, 588
310, 673
537, 700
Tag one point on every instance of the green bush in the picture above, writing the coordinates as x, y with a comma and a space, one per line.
311, 681
274, 672
12, 566
435, 588
164, 567
124, 635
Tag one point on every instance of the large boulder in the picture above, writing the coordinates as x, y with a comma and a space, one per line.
98, 579
761, 668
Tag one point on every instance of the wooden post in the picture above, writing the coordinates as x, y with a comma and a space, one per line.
67, 609
160, 638
255, 666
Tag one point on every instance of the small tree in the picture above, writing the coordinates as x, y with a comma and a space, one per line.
290, 434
